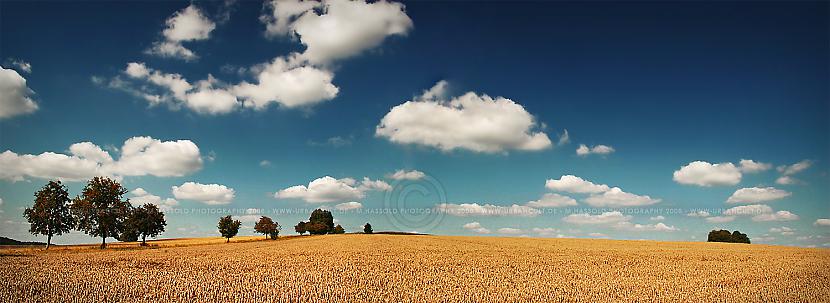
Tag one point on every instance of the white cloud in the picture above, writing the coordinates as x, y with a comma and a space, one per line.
574, 184
657, 218
407, 175
720, 219
486, 210
21, 65
783, 230
604, 218
615, 197
552, 200
699, 214
788, 170
211, 194
328, 189
141, 197
822, 222
757, 194
625, 225
584, 150
15, 96
547, 232
706, 174
781, 215
290, 84
509, 231
202, 98
189, 24
476, 228
473, 122
343, 29
786, 180
598, 235
564, 138
750, 166
140, 156
748, 210
348, 206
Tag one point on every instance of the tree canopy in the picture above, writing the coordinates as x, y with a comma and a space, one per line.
267, 227
143, 221
100, 211
367, 229
228, 227
725, 236
50, 215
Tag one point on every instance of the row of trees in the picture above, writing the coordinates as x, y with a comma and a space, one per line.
725, 236
320, 222
99, 211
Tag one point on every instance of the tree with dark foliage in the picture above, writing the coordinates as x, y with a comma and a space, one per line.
726, 236
267, 227
100, 211
367, 229
228, 227
322, 217
143, 221
300, 228
316, 228
338, 230
50, 215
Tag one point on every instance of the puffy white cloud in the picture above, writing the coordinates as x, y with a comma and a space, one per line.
574, 184
748, 210
211, 194
486, 210
407, 175
509, 231
328, 189
781, 215
348, 206
750, 166
706, 174
786, 180
625, 225
15, 96
822, 222
657, 218
552, 200
202, 98
342, 28
476, 228
787, 171
473, 122
285, 81
699, 214
720, 219
615, 197
757, 194
140, 156
189, 24
141, 197
604, 218
584, 150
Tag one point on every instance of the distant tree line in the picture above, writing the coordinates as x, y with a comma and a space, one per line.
99, 211
725, 236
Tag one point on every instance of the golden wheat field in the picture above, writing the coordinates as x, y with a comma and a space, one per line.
396, 268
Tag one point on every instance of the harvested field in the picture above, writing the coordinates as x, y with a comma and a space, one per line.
393, 268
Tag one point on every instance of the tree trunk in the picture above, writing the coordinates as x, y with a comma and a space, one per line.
143, 240
103, 242
229, 240
48, 241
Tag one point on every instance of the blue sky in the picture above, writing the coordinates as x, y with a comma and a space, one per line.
310, 90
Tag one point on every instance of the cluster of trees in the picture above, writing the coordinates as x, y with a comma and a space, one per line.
725, 236
99, 211
320, 222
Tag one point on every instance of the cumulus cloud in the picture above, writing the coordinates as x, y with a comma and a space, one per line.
702, 173
787, 172
757, 194
289, 83
407, 175
141, 197
486, 210
781, 215
15, 95
211, 194
348, 206
750, 166
552, 200
822, 222
189, 24
337, 29
615, 197
328, 189
584, 150
472, 122
509, 231
140, 156
748, 210
574, 184
476, 228
604, 218
720, 219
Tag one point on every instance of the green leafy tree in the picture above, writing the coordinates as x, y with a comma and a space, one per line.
100, 211
726, 236
300, 228
228, 227
50, 215
367, 229
316, 228
323, 217
267, 227
143, 221
338, 230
